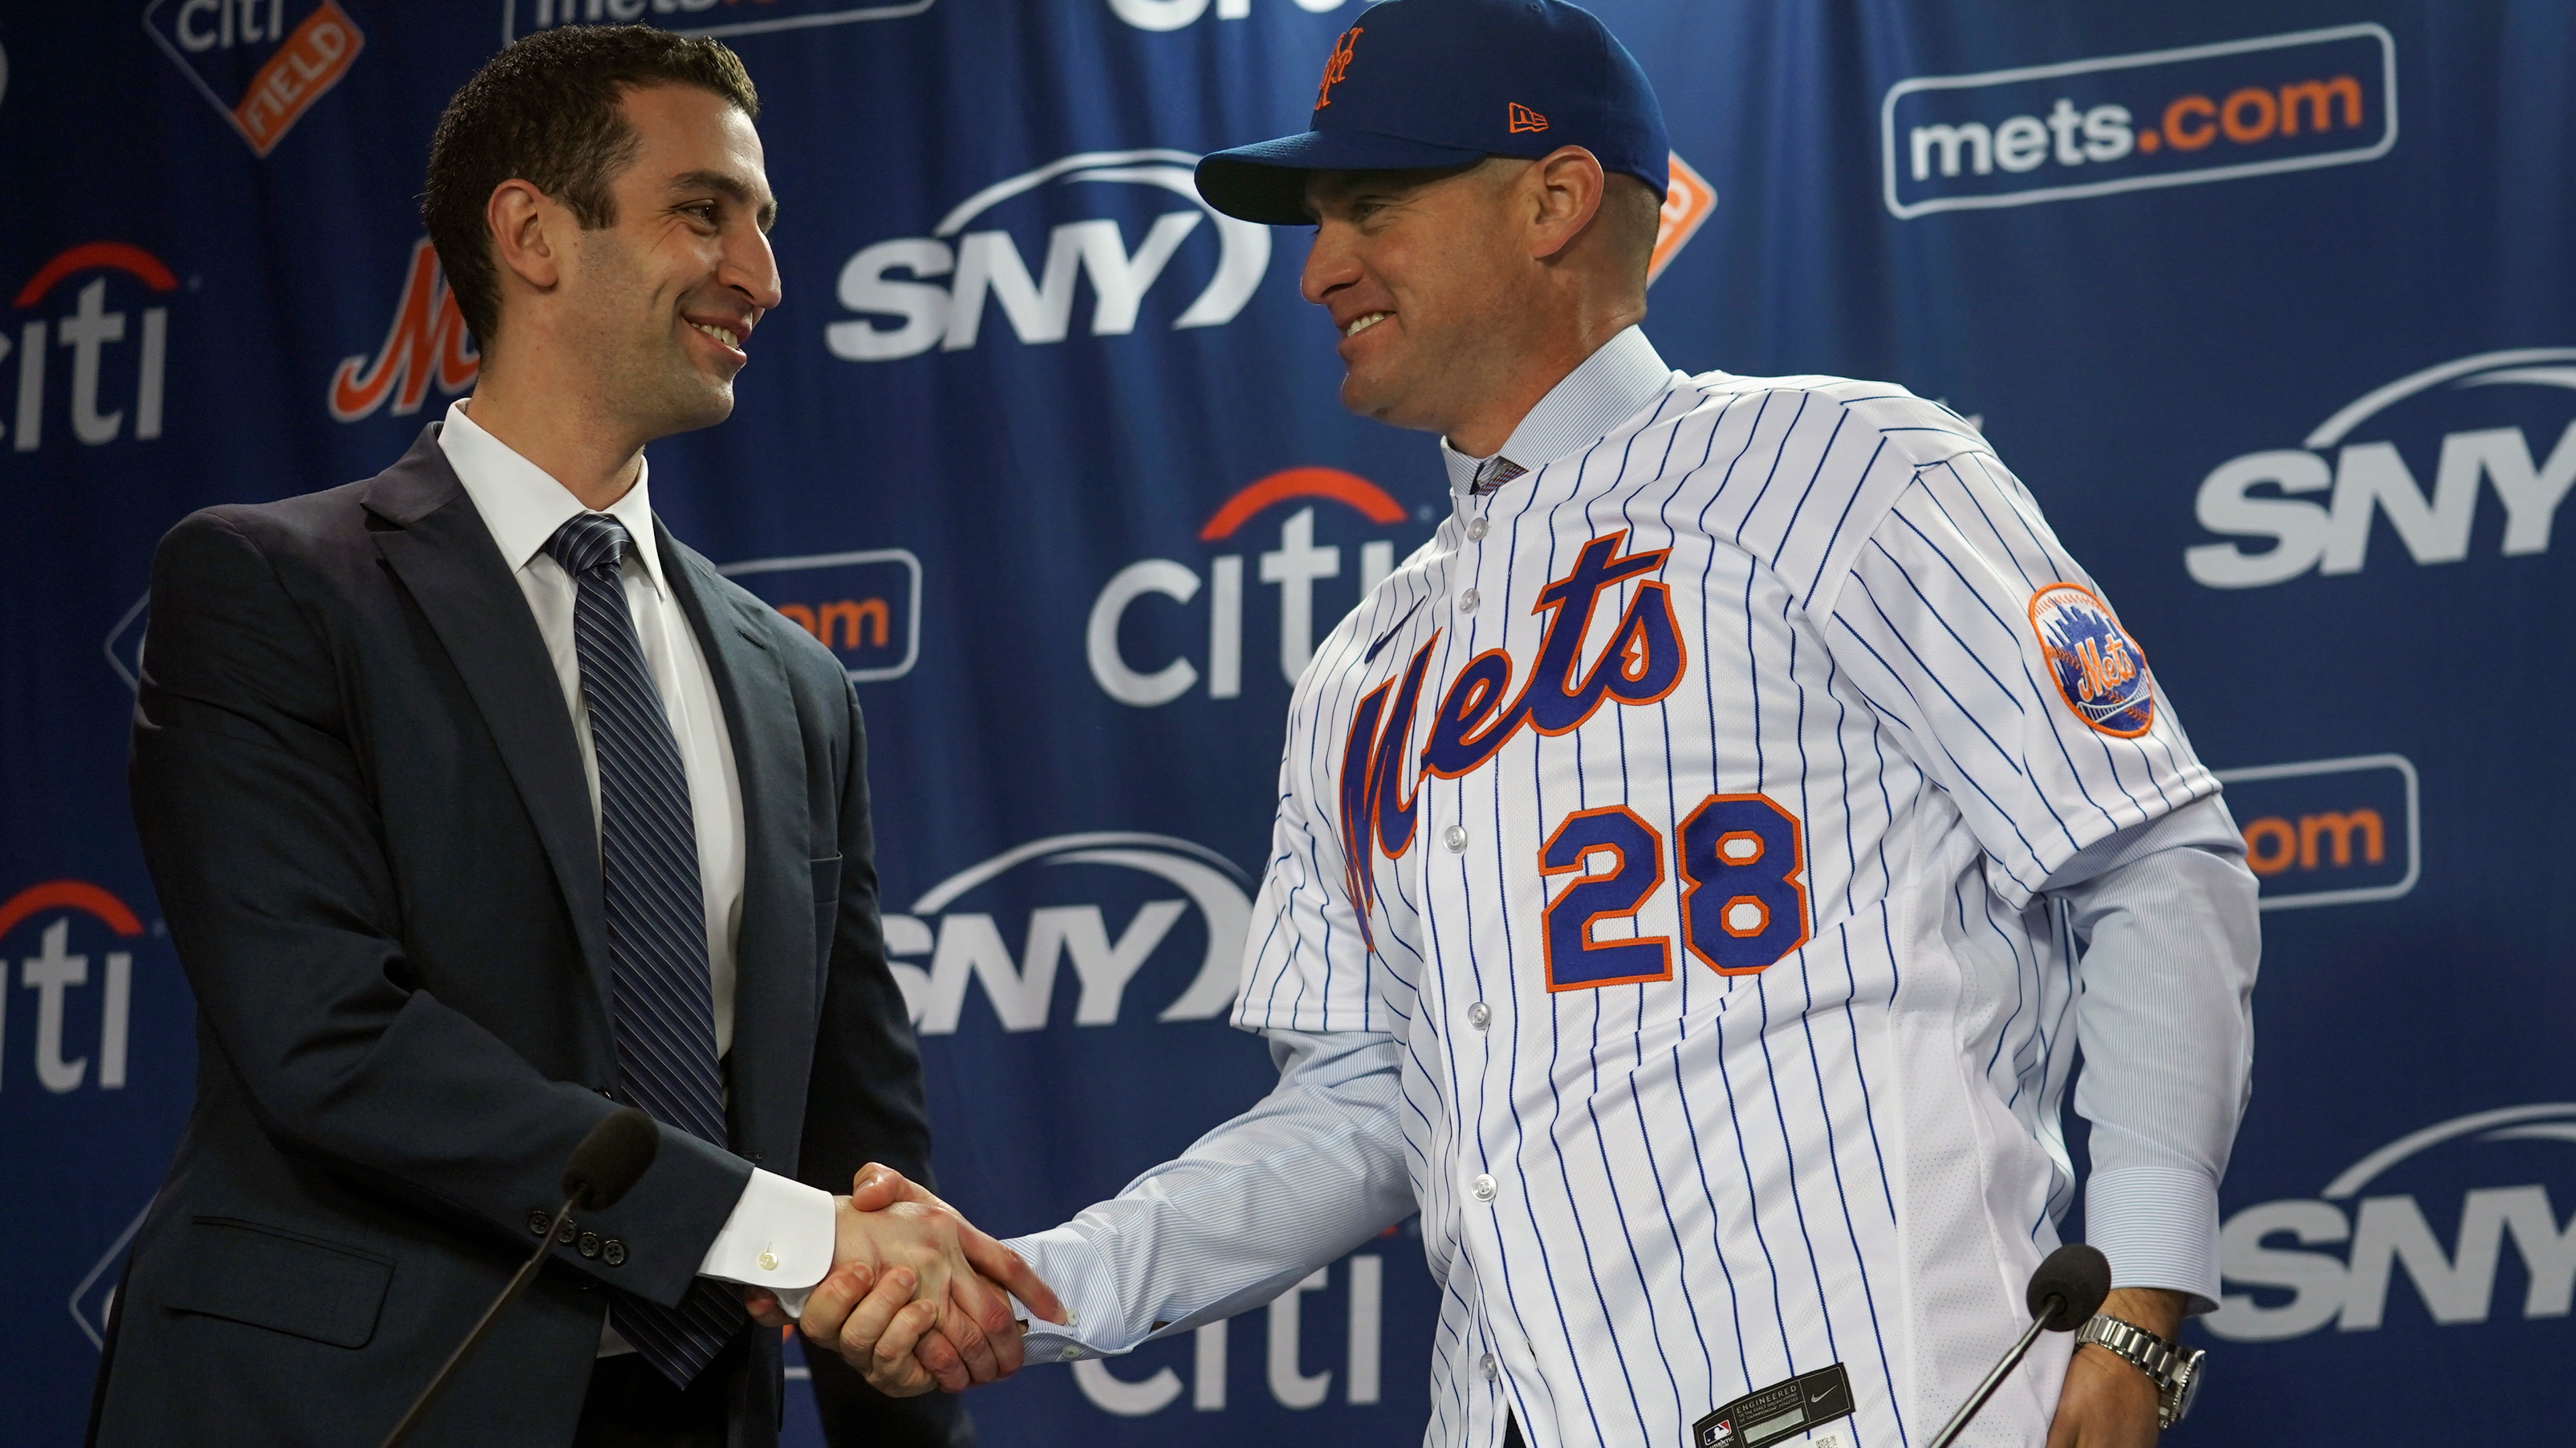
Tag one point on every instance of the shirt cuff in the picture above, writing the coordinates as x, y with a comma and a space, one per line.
2159, 1227
1067, 1262
780, 1236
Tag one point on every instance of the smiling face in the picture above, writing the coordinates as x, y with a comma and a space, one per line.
663, 301
1423, 274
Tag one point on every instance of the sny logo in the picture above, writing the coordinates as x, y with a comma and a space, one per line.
2303, 1289
249, 65
967, 945
88, 333
2507, 399
988, 265
2130, 122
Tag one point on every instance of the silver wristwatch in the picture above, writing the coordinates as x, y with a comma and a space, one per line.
2174, 1368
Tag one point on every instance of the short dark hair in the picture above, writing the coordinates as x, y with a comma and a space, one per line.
545, 111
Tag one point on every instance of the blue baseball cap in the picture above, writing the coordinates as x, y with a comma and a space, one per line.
1418, 84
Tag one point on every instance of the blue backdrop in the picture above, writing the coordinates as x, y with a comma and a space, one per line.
2270, 304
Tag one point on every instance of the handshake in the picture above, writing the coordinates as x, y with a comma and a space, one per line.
916, 1297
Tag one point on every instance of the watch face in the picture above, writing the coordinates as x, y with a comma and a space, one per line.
2187, 1383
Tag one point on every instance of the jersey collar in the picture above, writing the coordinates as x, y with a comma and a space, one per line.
1609, 387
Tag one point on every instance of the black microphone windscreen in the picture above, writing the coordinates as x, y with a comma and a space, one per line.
2078, 1277
609, 1161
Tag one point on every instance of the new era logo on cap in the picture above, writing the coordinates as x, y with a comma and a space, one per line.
1446, 83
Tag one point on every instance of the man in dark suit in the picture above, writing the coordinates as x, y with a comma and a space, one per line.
478, 807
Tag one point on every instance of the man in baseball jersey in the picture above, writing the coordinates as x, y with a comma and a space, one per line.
1698, 868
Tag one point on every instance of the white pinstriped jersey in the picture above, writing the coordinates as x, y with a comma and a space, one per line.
1678, 810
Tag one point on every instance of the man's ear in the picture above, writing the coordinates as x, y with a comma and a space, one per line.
530, 233
1566, 186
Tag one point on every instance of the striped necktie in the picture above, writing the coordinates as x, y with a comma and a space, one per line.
663, 999
1493, 472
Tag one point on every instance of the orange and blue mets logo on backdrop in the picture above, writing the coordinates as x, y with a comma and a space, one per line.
2101, 674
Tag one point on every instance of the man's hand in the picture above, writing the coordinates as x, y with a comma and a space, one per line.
2107, 1402
915, 1298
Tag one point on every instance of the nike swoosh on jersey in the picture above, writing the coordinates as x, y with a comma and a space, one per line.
1382, 639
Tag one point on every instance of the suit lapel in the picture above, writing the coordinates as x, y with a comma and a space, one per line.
445, 557
775, 974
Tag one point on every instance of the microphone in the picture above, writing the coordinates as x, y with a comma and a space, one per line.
603, 1169
2064, 1294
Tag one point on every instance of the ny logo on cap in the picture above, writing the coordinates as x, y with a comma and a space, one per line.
1522, 118
1336, 66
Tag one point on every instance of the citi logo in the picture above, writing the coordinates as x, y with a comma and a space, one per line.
74, 1008
2272, 1247
966, 946
1124, 638
2133, 122
903, 311
2355, 458
119, 358
426, 342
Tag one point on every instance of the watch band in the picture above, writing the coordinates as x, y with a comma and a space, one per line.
2173, 1368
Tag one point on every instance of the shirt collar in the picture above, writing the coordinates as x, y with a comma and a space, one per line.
522, 503
1607, 389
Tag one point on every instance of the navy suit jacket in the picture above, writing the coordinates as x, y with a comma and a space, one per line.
367, 822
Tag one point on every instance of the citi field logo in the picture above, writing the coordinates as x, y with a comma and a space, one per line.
119, 355
903, 311
1137, 651
2468, 422
426, 343
715, 18
2297, 1289
80, 1032
864, 606
260, 68
957, 925
2131, 122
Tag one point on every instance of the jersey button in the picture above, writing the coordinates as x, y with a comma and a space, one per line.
1467, 601
1476, 529
1455, 837
1480, 1015
1491, 1369
1482, 1188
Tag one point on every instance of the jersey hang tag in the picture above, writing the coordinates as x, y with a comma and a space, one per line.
1780, 1411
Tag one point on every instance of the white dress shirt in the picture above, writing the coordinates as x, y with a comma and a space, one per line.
523, 506
2157, 919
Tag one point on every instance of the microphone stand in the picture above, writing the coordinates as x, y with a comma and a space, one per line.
1968, 1410
447, 1370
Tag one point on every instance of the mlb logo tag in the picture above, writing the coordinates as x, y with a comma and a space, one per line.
2099, 672
1715, 1432
260, 67
865, 607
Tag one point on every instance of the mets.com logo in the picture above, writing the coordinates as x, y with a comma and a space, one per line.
2283, 1250
716, 18
2506, 420
2129, 122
